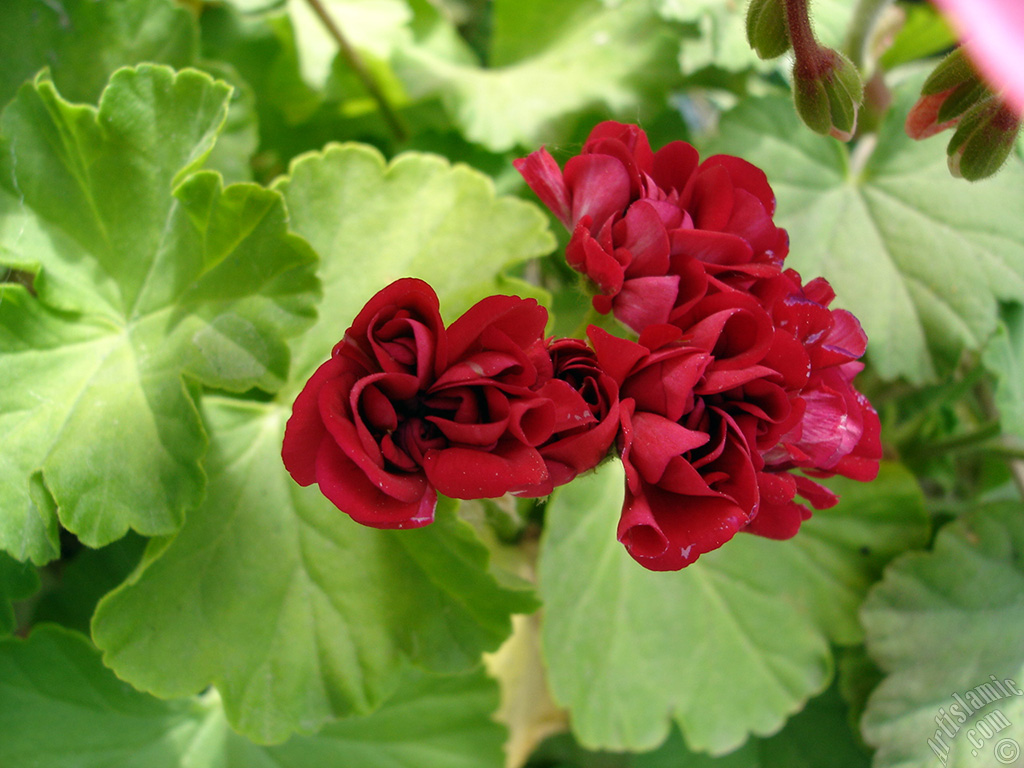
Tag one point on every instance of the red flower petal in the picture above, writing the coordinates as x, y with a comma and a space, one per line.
544, 177
463, 473
347, 487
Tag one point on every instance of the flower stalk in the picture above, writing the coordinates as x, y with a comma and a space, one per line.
827, 87
862, 27
353, 59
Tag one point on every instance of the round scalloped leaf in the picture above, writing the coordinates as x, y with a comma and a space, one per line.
296, 613
946, 627
601, 55
56, 676
373, 222
82, 41
145, 274
728, 647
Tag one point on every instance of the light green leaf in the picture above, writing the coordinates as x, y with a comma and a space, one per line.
723, 38
84, 41
521, 29
144, 274
55, 676
727, 647
373, 222
17, 581
296, 613
608, 58
919, 257
946, 627
239, 139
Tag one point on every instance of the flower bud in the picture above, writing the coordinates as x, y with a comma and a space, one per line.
952, 71
766, 28
983, 140
828, 92
948, 93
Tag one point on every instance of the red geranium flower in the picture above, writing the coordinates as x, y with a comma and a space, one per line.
718, 409
656, 230
582, 438
406, 408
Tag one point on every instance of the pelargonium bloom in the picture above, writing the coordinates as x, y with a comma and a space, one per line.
739, 389
582, 438
653, 230
718, 410
406, 408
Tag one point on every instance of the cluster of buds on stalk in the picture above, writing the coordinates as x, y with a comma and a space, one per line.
827, 87
955, 96
828, 92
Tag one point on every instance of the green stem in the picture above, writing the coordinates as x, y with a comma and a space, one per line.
964, 441
806, 50
907, 431
988, 404
356, 63
593, 317
865, 17
1008, 452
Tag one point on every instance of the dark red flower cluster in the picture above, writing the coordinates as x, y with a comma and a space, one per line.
741, 373
406, 408
737, 390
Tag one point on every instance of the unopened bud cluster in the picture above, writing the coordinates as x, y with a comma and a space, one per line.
827, 87
954, 96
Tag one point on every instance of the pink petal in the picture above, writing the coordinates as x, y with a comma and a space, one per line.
993, 33
646, 301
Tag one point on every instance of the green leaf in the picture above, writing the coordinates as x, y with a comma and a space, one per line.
1004, 356
925, 32
525, 28
262, 48
17, 581
74, 590
145, 274
55, 676
373, 222
723, 38
857, 677
608, 58
371, 26
819, 736
920, 258
296, 613
84, 41
727, 647
349, 603
942, 625
239, 139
